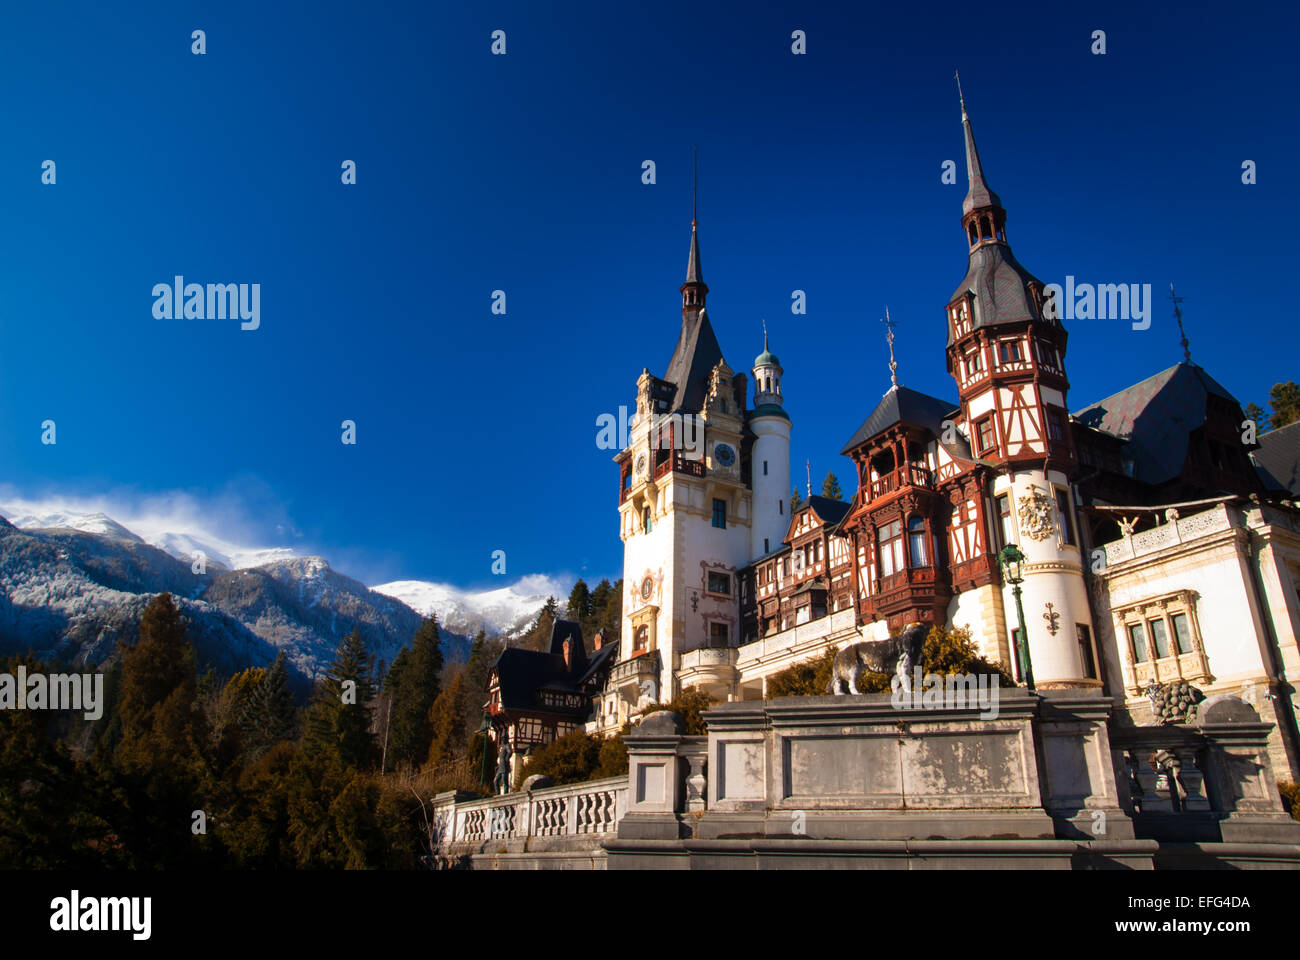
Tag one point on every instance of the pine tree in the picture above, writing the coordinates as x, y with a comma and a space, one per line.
831, 488
268, 714
539, 636
447, 718
796, 501
413, 685
580, 605
159, 687
1255, 413
474, 682
1284, 398
339, 719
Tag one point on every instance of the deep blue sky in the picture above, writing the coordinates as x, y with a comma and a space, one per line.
476, 172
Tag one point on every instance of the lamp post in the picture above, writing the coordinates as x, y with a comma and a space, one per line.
1011, 559
483, 728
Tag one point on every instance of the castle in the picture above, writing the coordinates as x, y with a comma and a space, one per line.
1153, 549
1160, 542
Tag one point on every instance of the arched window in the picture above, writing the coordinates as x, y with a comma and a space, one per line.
917, 552
642, 638
647, 520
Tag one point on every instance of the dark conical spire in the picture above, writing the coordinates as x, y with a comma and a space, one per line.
694, 289
693, 274
980, 193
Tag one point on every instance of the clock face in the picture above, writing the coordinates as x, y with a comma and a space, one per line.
640, 464
647, 588
724, 454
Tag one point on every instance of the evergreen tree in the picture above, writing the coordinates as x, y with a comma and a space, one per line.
474, 681
159, 687
539, 636
580, 605
796, 501
339, 719
159, 775
1255, 413
1284, 398
831, 487
413, 685
268, 714
447, 718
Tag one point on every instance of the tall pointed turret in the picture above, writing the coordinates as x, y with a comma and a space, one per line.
694, 290
980, 195
982, 215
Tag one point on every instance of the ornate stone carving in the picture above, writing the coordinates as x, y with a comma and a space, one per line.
1053, 619
1036, 514
1173, 702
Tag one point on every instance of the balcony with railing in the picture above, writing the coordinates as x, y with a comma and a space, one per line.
908, 475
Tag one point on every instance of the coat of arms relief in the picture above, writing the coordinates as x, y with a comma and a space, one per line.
1036, 515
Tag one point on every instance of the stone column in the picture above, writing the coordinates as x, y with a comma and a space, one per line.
655, 788
1240, 775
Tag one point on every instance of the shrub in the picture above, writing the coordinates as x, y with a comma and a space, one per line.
1290, 791
571, 758
690, 705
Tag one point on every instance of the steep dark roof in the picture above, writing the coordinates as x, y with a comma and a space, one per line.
599, 660
1000, 286
1278, 458
563, 630
904, 405
829, 511
696, 355
521, 673
1155, 417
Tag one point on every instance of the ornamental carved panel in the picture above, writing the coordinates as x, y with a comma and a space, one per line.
1036, 514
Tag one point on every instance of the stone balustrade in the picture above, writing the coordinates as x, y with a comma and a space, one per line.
587, 811
1170, 534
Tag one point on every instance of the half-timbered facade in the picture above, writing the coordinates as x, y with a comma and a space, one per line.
1155, 549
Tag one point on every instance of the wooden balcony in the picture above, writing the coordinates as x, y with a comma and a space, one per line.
908, 475
678, 463
915, 590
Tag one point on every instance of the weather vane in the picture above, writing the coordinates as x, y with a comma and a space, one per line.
893, 364
1178, 315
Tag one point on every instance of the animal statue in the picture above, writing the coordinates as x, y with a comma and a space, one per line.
897, 654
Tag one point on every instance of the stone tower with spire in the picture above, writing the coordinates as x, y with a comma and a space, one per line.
1006, 352
770, 459
689, 508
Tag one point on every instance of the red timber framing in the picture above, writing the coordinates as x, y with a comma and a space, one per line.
898, 523
1034, 355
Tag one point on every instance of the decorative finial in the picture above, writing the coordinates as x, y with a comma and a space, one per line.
960, 95
765, 334
695, 190
1178, 315
893, 364
808, 466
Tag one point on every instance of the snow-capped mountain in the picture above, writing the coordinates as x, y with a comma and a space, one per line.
218, 554
506, 611
86, 522
73, 586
